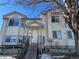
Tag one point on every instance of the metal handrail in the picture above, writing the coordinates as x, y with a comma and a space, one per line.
24, 50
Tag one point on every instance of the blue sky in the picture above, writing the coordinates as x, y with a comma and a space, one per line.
30, 12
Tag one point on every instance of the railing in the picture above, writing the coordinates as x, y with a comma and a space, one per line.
41, 42
60, 50
40, 46
24, 50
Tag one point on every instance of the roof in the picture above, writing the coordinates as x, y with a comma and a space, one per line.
55, 10
15, 12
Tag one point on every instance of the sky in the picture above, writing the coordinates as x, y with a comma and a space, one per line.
30, 12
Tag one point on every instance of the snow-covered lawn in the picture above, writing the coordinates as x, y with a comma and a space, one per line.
6, 57
45, 56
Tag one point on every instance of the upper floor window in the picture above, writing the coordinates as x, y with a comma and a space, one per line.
13, 22
55, 18
10, 39
57, 35
69, 34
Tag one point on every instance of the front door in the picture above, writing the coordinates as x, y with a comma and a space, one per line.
34, 36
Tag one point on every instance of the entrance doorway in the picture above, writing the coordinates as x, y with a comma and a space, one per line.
34, 36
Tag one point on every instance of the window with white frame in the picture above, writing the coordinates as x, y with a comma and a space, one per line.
55, 18
10, 39
57, 35
69, 35
14, 22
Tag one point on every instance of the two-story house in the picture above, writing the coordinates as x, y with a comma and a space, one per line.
49, 31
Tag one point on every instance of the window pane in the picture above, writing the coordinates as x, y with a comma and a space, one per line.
8, 38
59, 36
69, 34
55, 19
11, 22
54, 34
16, 22
13, 39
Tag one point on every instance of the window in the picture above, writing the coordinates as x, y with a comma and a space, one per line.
13, 39
69, 34
55, 18
57, 35
16, 23
10, 39
13, 22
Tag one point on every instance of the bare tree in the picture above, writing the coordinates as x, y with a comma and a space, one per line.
69, 10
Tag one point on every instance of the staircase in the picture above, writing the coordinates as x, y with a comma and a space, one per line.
24, 50
32, 52
29, 51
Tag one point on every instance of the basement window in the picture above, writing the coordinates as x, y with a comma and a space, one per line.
10, 39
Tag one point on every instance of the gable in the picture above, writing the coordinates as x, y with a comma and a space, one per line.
14, 14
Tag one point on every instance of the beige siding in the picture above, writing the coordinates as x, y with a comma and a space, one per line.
12, 31
3, 31
60, 26
49, 27
45, 30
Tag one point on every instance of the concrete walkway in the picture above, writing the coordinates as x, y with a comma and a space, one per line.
32, 52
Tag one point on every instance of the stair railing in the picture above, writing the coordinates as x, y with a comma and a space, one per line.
24, 49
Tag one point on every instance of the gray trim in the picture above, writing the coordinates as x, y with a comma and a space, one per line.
15, 12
